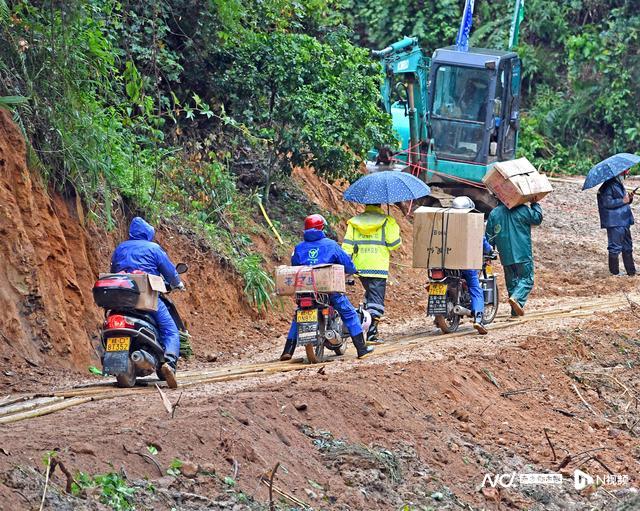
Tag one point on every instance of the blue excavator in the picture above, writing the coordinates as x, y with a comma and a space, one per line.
455, 114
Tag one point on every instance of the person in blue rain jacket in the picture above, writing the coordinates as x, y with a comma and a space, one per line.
318, 249
140, 253
614, 207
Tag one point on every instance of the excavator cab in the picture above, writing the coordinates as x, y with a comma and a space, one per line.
474, 100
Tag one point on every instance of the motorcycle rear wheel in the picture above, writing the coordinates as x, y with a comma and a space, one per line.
315, 354
448, 324
128, 379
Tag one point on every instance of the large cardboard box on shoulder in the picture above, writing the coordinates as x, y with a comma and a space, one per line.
447, 238
322, 278
517, 182
150, 287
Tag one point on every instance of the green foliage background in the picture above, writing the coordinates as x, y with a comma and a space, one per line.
199, 109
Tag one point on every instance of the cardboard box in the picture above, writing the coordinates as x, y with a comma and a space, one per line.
150, 287
447, 238
322, 278
517, 182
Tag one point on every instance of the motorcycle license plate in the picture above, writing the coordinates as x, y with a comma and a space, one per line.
437, 289
307, 316
118, 344
488, 270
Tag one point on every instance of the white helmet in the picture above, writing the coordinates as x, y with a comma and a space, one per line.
366, 320
463, 202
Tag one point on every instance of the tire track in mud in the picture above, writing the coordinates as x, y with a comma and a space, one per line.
18, 408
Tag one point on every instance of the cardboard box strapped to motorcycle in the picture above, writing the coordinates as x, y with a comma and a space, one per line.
322, 278
517, 182
447, 238
128, 290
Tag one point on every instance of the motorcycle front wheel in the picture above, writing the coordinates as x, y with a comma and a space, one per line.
491, 310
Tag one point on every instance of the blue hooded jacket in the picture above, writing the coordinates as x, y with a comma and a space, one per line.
318, 249
140, 253
613, 212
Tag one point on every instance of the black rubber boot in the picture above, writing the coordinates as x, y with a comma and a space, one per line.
362, 349
289, 348
629, 265
614, 264
478, 324
372, 334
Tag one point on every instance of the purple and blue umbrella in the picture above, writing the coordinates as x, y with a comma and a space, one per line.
609, 168
386, 187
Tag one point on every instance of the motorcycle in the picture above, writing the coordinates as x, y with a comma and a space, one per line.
130, 337
320, 325
449, 298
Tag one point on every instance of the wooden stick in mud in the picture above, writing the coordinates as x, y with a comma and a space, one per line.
553, 451
56, 407
583, 400
272, 506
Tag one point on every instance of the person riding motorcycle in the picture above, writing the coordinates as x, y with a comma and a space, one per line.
140, 253
318, 249
471, 276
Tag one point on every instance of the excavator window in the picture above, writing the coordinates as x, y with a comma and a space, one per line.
461, 93
459, 111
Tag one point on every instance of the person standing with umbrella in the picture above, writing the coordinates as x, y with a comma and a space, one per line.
372, 235
614, 208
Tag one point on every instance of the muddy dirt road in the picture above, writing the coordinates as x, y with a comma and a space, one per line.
418, 425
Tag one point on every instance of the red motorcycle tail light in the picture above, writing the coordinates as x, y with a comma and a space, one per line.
305, 301
115, 282
436, 274
116, 321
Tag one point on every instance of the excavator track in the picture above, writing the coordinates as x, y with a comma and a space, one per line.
15, 408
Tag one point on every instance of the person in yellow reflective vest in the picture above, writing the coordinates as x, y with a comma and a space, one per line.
369, 240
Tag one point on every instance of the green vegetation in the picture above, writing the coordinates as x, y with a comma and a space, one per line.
114, 490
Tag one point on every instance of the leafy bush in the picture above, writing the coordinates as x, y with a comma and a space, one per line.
258, 284
114, 490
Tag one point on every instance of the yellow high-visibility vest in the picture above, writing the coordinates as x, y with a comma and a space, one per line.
369, 239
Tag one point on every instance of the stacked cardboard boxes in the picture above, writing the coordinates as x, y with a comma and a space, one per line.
447, 238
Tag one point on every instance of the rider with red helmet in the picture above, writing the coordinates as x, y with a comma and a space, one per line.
318, 249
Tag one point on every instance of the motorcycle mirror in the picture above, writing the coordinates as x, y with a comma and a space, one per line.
181, 268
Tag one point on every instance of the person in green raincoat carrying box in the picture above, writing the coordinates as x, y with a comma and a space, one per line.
509, 230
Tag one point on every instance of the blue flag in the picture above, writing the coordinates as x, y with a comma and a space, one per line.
462, 41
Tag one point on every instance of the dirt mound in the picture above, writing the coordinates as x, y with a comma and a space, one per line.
46, 275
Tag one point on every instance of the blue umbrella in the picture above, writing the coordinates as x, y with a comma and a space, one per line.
611, 167
386, 187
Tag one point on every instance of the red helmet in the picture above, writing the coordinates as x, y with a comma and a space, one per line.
315, 222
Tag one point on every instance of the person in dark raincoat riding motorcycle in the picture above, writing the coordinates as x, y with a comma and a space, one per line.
318, 249
140, 253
